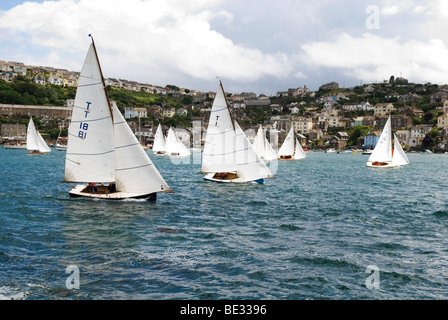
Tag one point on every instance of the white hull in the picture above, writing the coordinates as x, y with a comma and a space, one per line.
210, 177
15, 146
77, 191
385, 165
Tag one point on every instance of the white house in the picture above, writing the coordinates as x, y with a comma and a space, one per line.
135, 113
295, 110
418, 133
383, 109
56, 81
303, 125
442, 121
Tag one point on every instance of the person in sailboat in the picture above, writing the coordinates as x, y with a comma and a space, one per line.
93, 188
112, 187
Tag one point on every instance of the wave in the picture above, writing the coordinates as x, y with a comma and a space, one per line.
8, 293
441, 214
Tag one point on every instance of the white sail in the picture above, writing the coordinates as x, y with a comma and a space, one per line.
287, 148
159, 141
34, 141
219, 148
383, 149
262, 146
135, 172
250, 165
399, 158
259, 145
299, 153
90, 148
174, 146
269, 152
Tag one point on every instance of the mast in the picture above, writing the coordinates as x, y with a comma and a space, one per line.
227, 103
102, 79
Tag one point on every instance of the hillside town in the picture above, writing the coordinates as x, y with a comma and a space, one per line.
330, 117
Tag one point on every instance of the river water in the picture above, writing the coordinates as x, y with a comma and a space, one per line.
327, 227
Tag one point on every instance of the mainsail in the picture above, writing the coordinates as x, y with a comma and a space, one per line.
383, 149
174, 146
219, 148
90, 149
159, 145
287, 148
263, 147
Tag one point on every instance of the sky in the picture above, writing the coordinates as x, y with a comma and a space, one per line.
260, 46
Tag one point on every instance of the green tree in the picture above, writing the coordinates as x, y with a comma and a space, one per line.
357, 132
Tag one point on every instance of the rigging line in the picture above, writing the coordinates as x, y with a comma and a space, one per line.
248, 163
218, 154
92, 120
219, 110
90, 154
219, 133
129, 145
90, 85
133, 168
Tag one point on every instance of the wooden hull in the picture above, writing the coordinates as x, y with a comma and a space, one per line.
82, 191
36, 152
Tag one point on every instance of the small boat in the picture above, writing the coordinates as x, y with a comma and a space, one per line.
175, 147
102, 150
383, 156
291, 148
331, 150
159, 146
228, 155
35, 144
15, 146
263, 147
367, 152
427, 151
61, 143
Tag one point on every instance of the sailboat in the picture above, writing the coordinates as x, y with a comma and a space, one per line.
291, 148
383, 156
175, 147
60, 146
159, 146
228, 155
35, 144
263, 147
102, 150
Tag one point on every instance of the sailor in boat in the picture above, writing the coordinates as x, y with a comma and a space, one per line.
95, 188
225, 176
286, 157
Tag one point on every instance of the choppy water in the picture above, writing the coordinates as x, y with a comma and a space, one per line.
309, 234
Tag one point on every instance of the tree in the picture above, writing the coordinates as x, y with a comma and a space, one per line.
356, 133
